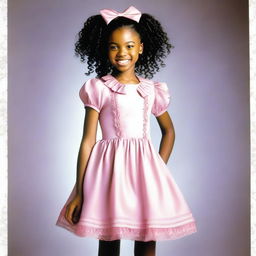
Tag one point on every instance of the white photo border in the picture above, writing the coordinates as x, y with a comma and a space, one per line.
3, 128
3, 124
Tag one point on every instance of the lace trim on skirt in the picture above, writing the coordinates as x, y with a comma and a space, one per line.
142, 234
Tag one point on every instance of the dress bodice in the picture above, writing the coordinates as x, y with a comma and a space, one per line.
124, 109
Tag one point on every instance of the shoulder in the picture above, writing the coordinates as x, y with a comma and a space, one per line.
161, 99
161, 86
156, 85
93, 82
92, 85
153, 82
91, 93
161, 90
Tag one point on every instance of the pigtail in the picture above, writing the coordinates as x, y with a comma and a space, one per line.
89, 44
156, 45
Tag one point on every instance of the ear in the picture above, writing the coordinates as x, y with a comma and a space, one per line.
141, 48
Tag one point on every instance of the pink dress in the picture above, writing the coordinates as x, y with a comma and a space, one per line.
129, 192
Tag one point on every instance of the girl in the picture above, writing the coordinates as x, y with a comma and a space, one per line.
124, 189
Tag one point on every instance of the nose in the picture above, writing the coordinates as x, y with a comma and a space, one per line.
122, 51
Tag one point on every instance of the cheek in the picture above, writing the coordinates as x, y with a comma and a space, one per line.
111, 55
136, 52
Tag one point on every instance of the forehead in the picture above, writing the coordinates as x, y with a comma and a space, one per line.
124, 34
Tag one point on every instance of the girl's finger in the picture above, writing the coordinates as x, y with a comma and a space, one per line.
76, 215
69, 213
66, 213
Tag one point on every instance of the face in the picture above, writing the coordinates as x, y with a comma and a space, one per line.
124, 48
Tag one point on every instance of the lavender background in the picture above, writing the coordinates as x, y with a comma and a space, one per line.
208, 77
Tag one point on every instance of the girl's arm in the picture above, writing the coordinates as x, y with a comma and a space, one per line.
74, 207
88, 141
168, 135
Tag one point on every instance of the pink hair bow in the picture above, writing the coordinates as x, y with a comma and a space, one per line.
130, 13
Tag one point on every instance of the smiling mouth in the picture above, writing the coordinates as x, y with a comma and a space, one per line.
122, 62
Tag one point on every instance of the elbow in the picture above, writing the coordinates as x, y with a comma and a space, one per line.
169, 135
169, 131
88, 142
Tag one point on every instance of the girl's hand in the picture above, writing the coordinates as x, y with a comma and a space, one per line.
73, 210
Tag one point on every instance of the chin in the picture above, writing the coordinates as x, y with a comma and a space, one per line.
123, 69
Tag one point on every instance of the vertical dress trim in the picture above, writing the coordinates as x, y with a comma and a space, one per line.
116, 114
145, 117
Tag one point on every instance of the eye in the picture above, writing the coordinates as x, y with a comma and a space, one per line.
130, 46
112, 47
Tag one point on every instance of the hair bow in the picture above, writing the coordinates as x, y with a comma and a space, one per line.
130, 13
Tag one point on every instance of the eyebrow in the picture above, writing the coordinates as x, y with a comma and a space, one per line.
126, 42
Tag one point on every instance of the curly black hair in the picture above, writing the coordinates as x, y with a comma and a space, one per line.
92, 44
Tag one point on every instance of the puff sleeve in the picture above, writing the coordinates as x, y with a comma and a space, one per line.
91, 94
162, 99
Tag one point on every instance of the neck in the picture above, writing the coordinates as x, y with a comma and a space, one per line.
125, 77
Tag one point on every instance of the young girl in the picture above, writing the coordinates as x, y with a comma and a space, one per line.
124, 189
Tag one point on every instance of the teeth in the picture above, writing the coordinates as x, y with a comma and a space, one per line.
122, 61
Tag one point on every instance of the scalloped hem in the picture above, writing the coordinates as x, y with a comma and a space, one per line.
116, 233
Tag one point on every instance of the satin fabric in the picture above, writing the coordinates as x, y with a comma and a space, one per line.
129, 192
130, 13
